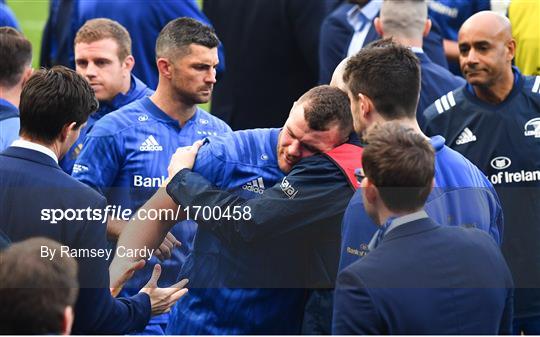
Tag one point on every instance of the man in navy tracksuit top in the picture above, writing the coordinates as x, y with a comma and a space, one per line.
463, 196
494, 122
103, 57
125, 155
260, 251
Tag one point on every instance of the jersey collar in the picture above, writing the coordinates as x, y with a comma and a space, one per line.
159, 114
518, 83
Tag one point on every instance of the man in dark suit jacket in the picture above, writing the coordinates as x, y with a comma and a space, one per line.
418, 277
39, 199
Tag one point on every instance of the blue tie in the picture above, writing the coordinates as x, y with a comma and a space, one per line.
381, 231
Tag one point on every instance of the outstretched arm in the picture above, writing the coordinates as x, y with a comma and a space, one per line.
146, 231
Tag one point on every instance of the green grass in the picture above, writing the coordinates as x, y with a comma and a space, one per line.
31, 15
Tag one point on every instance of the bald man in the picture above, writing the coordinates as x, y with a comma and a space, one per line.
494, 121
407, 22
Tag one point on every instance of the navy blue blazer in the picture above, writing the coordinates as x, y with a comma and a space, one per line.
31, 182
424, 278
336, 34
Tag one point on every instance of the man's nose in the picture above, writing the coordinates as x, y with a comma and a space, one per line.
294, 149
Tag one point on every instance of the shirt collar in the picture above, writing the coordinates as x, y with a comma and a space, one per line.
417, 50
36, 147
396, 222
357, 16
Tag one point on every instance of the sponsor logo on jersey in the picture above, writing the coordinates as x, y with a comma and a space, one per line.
505, 177
140, 181
500, 163
264, 156
207, 133
532, 128
78, 168
362, 251
203, 121
466, 137
288, 189
142, 118
150, 144
255, 186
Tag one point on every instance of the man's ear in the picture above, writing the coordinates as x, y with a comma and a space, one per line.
427, 28
511, 45
164, 67
371, 192
377, 23
66, 130
129, 62
26, 75
67, 320
366, 105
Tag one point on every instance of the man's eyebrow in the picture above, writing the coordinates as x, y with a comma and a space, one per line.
290, 132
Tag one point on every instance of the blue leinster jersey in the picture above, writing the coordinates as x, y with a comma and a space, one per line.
137, 91
462, 197
244, 162
503, 140
125, 157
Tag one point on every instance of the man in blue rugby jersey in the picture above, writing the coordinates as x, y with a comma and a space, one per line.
286, 236
494, 120
125, 156
103, 57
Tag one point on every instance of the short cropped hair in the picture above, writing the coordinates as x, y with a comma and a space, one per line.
176, 37
35, 291
100, 29
16, 56
401, 164
389, 74
326, 106
404, 18
53, 98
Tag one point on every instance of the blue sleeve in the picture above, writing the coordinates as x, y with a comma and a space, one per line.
7, 17
99, 162
318, 192
210, 163
354, 311
9, 131
357, 229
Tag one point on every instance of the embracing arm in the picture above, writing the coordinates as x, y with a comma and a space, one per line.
314, 190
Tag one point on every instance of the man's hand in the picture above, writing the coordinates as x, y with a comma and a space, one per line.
119, 282
184, 157
165, 250
162, 299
